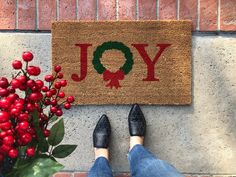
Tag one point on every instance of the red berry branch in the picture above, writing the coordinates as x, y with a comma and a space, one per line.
19, 135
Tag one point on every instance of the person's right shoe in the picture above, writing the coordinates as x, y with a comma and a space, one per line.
137, 122
101, 133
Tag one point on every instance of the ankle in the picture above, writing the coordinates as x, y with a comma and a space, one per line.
135, 140
101, 152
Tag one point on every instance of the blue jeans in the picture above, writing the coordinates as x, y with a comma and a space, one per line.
142, 164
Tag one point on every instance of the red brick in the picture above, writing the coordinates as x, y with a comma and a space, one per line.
7, 14
47, 13
87, 9
80, 175
147, 10
106, 10
208, 15
27, 14
228, 15
167, 9
63, 174
67, 10
188, 11
127, 10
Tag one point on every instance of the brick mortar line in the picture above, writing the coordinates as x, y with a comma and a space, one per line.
17, 15
177, 9
198, 14
218, 14
96, 10
137, 10
57, 10
37, 14
117, 10
157, 10
77, 9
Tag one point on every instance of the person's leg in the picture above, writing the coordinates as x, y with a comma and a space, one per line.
142, 162
101, 135
100, 168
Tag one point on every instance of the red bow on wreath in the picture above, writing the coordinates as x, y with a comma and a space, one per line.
113, 78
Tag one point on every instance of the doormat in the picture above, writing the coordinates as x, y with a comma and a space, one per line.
125, 62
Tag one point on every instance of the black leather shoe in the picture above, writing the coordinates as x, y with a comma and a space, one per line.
102, 132
137, 122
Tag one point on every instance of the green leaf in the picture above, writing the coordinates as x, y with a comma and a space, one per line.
63, 151
57, 133
43, 144
41, 167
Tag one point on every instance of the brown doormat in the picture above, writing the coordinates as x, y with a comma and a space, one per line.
125, 62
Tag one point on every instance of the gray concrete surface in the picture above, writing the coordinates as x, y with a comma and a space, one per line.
200, 138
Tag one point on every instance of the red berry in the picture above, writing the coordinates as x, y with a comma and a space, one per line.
3, 134
16, 64
57, 69
23, 117
53, 109
27, 56
5, 103
30, 107
63, 83
47, 102
12, 97
15, 112
53, 102
3, 92
61, 94
33, 70
22, 79
49, 94
70, 99
10, 132
30, 83
4, 116
26, 138
30, 151
49, 78
11, 90
5, 148
59, 75
15, 83
13, 153
57, 85
46, 133
45, 89
5, 126
24, 125
4, 82
53, 90
8, 140
33, 97
67, 105
39, 84
59, 113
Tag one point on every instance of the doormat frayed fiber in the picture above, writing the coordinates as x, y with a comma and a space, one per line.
125, 62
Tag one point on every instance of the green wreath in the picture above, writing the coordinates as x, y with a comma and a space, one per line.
119, 74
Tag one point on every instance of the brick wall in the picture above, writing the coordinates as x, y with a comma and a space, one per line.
207, 15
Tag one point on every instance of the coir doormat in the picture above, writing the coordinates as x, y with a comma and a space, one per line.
125, 62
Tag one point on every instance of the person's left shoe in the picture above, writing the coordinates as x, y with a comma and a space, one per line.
101, 133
